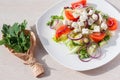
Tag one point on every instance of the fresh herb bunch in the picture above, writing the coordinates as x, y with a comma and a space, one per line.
14, 37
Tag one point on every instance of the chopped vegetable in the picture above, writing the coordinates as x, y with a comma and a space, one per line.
112, 24
96, 37
53, 18
78, 4
62, 30
69, 15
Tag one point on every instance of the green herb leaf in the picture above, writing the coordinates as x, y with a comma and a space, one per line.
2, 42
15, 38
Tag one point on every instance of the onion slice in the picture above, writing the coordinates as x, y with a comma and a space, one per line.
56, 24
97, 17
85, 60
72, 38
96, 54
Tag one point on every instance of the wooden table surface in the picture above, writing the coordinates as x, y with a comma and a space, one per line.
12, 68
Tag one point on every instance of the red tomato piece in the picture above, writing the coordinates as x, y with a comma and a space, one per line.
112, 24
62, 30
69, 15
79, 3
97, 36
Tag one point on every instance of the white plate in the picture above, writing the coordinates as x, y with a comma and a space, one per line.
61, 53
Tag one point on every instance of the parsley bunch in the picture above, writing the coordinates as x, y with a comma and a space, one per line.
15, 38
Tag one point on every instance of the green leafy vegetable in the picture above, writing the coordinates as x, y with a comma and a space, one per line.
83, 53
105, 16
15, 38
53, 18
107, 38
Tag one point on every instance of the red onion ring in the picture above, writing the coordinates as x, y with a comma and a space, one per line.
71, 38
86, 24
97, 17
110, 22
54, 26
85, 60
97, 54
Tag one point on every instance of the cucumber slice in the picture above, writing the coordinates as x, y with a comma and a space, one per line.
102, 43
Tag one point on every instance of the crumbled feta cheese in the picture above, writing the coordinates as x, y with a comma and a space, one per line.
67, 22
91, 12
104, 26
100, 18
84, 13
95, 16
77, 30
85, 31
79, 11
83, 17
81, 23
96, 29
75, 15
75, 25
90, 21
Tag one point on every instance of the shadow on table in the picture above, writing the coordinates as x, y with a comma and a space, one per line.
40, 53
101, 70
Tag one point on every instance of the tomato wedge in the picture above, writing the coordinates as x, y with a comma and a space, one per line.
62, 30
69, 15
97, 36
78, 3
112, 24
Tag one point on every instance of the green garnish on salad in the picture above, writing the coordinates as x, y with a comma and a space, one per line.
83, 29
15, 38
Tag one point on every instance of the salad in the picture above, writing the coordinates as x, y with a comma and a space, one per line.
83, 29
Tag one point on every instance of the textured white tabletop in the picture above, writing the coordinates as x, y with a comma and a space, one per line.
12, 68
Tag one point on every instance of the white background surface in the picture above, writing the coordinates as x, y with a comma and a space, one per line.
12, 68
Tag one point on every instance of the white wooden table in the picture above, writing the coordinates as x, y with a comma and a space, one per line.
12, 68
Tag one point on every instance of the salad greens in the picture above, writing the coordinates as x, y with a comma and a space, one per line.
53, 18
14, 37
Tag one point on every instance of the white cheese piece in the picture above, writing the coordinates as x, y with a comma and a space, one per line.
75, 15
77, 30
100, 18
104, 26
85, 31
84, 13
96, 29
83, 17
75, 25
90, 21
95, 16
91, 12
67, 22
81, 23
